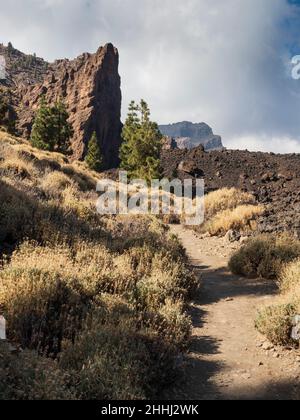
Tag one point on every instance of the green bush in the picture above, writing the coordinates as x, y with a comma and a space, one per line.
264, 256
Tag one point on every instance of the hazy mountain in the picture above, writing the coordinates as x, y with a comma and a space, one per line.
189, 135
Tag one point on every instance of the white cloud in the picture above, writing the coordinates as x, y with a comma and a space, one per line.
222, 62
265, 143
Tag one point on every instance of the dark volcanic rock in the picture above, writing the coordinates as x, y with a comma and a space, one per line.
89, 86
273, 179
188, 135
168, 143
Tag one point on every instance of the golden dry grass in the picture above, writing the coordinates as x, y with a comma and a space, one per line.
229, 208
239, 218
226, 199
54, 183
79, 284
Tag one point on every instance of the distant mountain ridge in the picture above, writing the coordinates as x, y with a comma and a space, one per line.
188, 135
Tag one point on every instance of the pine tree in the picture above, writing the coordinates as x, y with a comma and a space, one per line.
10, 48
94, 157
62, 128
140, 151
42, 135
51, 130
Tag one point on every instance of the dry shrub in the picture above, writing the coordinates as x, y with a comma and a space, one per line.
174, 324
16, 213
109, 359
105, 295
27, 376
289, 279
239, 219
229, 208
25, 217
275, 322
84, 179
226, 199
46, 293
55, 183
42, 305
54, 302
264, 256
16, 167
167, 279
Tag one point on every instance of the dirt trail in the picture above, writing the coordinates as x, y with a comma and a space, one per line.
227, 360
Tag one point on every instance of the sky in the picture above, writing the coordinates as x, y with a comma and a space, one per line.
227, 63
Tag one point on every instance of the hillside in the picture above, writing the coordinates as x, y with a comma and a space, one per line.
273, 179
22, 69
74, 285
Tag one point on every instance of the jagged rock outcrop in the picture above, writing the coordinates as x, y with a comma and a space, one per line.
188, 135
90, 87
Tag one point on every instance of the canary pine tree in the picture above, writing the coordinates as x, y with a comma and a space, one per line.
94, 158
51, 130
140, 151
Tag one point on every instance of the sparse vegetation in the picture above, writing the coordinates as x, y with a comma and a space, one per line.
76, 285
230, 208
241, 218
226, 199
276, 321
24, 375
264, 256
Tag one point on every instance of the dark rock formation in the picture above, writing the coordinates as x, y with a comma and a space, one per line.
168, 143
89, 86
188, 135
273, 179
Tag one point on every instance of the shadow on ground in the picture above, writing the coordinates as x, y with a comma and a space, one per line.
200, 373
214, 289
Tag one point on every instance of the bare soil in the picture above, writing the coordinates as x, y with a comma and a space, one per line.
228, 358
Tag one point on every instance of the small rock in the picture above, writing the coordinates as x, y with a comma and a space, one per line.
267, 346
232, 236
295, 335
13, 349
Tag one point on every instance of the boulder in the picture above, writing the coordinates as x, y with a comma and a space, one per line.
233, 236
